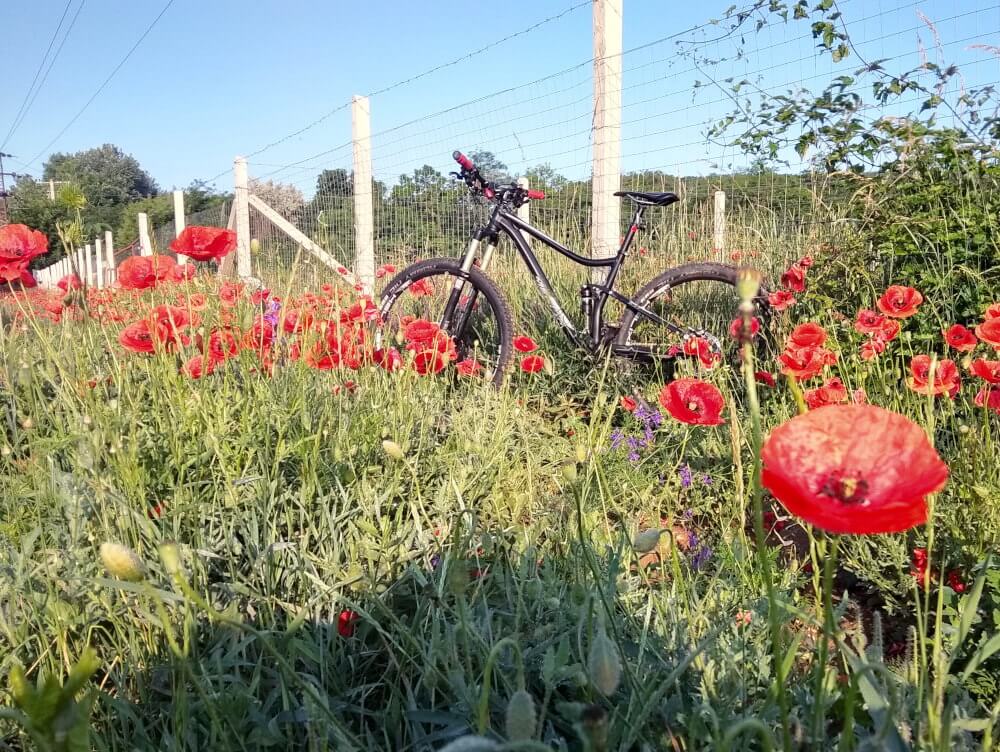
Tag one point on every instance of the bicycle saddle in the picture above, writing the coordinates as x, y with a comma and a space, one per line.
650, 199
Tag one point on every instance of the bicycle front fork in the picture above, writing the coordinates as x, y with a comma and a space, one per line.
455, 298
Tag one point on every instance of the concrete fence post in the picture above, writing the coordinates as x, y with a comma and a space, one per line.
179, 221
145, 245
241, 204
364, 216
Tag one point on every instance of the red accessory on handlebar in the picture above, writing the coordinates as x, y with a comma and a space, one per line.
463, 160
536, 195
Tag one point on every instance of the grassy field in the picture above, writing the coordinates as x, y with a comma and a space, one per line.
356, 559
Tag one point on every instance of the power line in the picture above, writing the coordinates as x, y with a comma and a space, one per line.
38, 72
429, 71
52, 62
107, 80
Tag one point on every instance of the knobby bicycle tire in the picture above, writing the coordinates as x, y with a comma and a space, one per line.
482, 284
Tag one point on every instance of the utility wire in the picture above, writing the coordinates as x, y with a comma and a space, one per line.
107, 80
38, 72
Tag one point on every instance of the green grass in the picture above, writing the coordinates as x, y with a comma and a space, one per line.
500, 546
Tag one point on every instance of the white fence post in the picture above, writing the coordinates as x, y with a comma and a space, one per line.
88, 264
364, 217
99, 263
145, 246
109, 249
179, 221
241, 202
606, 177
79, 263
52, 190
719, 222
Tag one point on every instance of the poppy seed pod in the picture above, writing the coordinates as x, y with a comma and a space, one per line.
122, 562
521, 717
393, 449
603, 664
646, 541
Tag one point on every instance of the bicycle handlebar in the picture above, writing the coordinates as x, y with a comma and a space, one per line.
536, 195
463, 160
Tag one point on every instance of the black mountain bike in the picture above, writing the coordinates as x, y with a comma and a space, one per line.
682, 312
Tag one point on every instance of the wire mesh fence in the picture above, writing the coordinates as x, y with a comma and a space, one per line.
689, 98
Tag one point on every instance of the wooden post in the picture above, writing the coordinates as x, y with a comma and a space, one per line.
719, 222
241, 202
99, 263
606, 176
145, 246
179, 221
109, 249
79, 263
88, 264
364, 216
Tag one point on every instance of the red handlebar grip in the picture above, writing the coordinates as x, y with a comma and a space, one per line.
463, 160
536, 195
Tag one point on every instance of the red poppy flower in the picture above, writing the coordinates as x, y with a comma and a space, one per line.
468, 367
524, 344
384, 271
805, 362
987, 370
831, 393
960, 338
27, 280
69, 282
422, 287
693, 401
736, 328
20, 244
346, 621
429, 362
955, 581
702, 349
143, 272
992, 311
872, 348
765, 377
945, 378
198, 366
868, 322
988, 397
222, 345
230, 293
808, 334
389, 360
989, 332
532, 363
628, 404
918, 567
900, 302
781, 299
888, 331
204, 243
794, 279
137, 337
419, 334
183, 272
11, 270
853, 469
805, 262
260, 295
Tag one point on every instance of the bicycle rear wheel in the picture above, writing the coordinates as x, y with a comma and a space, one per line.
699, 298
478, 333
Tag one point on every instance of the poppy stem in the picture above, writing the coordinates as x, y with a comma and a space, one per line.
750, 382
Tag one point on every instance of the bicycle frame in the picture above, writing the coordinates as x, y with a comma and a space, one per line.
596, 334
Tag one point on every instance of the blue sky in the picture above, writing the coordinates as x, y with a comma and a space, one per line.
219, 78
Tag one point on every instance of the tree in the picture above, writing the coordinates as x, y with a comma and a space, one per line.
287, 200
491, 167
109, 179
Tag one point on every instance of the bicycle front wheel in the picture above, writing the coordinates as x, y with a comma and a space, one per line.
700, 301
465, 307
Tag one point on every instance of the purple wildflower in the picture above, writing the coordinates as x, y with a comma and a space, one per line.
617, 437
700, 556
685, 472
707, 480
633, 456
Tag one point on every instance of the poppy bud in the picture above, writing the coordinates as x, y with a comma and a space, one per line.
646, 541
604, 664
122, 562
747, 283
521, 718
581, 453
393, 449
170, 555
569, 471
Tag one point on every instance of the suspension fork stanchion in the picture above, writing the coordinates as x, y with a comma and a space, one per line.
456, 291
612, 275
